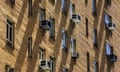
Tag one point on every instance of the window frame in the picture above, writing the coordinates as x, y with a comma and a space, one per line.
10, 33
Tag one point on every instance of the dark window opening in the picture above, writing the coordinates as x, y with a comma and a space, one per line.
29, 7
86, 2
52, 2
30, 47
88, 62
87, 27
95, 38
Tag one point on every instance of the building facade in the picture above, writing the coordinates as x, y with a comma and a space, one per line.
59, 35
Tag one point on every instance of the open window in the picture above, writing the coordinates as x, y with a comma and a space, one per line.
64, 40
64, 6
30, 47
108, 22
94, 7
10, 33
95, 38
29, 7
109, 53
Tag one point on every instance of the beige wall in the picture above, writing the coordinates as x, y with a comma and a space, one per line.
29, 26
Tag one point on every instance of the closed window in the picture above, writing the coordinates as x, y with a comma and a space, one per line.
30, 7
52, 28
10, 34
64, 5
41, 14
86, 27
72, 9
95, 37
30, 47
52, 63
95, 66
64, 40
73, 45
41, 54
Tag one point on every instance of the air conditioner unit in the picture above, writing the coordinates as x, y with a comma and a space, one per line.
108, 22
113, 58
45, 65
45, 25
64, 70
76, 18
75, 55
111, 26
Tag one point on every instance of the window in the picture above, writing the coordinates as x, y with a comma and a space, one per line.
72, 9
88, 62
73, 45
10, 33
86, 1
30, 47
41, 15
95, 37
86, 27
8, 68
12, 3
52, 28
63, 5
41, 54
64, 69
30, 7
52, 64
64, 40
52, 2
94, 7
108, 49
95, 66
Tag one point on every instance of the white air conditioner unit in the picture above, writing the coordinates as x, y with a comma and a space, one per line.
111, 26
75, 55
108, 22
45, 25
45, 65
76, 18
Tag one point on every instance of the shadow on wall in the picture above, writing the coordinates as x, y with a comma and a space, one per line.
33, 60
29, 30
72, 63
21, 14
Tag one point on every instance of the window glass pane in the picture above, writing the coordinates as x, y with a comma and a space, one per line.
42, 14
10, 33
7, 31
